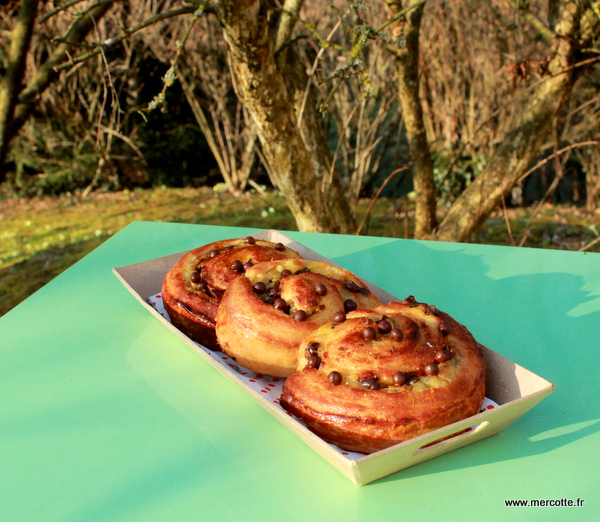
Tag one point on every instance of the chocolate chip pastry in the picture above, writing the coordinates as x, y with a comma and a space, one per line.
265, 315
385, 376
193, 288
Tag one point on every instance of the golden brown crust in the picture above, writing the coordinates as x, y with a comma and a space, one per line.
262, 329
367, 407
193, 288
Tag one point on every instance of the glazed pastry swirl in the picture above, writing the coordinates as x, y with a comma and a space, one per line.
265, 315
193, 288
385, 376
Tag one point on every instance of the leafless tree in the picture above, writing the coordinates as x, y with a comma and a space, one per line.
319, 93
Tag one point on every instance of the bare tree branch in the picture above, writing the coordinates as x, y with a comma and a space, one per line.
546, 34
64, 7
126, 34
48, 72
289, 16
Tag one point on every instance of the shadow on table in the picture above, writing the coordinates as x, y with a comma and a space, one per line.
539, 309
507, 445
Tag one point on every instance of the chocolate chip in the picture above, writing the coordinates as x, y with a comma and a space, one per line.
355, 288
396, 334
384, 327
259, 288
300, 315
195, 277
444, 328
313, 348
280, 247
339, 317
431, 309
442, 356
349, 305
335, 378
280, 304
412, 378
411, 301
352, 286
250, 240
274, 292
431, 369
247, 265
369, 333
237, 266
372, 383
321, 289
314, 361
213, 253
400, 378
286, 272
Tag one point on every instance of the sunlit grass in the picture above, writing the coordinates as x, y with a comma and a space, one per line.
42, 237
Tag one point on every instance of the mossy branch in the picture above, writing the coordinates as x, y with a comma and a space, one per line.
128, 32
159, 101
361, 33
546, 34
65, 6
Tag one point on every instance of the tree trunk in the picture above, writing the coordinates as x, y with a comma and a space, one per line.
11, 82
260, 85
592, 180
407, 67
310, 126
46, 74
521, 145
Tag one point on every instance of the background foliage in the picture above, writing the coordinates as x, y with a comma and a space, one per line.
478, 61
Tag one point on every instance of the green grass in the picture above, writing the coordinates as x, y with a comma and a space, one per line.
41, 237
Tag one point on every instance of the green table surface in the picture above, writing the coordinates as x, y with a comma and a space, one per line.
107, 415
